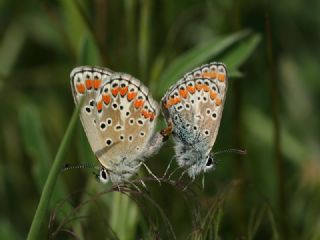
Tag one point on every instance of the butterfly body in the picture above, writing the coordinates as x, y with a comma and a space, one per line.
119, 117
193, 106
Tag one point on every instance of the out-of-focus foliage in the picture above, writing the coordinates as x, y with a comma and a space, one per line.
272, 52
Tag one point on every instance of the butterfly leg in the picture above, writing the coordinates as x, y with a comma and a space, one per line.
118, 187
141, 181
173, 172
187, 186
182, 174
144, 185
168, 167
151, 173
134, 185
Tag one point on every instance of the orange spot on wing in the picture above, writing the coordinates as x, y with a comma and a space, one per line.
218, 101
123, 91
176, 100
205, 88
206, 75
115, 91
183, 93
80, 87
145, 113
198, 87
211, 74
221, 77
89, 84
191, 89
170, 102
152, 116
213, 95
99, 106
138, 103
131, 95
106, 99
96, 83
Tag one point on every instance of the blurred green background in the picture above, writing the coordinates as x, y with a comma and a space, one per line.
271, 49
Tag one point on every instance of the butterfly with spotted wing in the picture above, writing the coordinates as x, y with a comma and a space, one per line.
119, 118
193, 107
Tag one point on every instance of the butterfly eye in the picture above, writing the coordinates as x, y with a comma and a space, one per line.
209, 163
103, 176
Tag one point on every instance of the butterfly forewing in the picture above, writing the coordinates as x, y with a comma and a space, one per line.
118, 115
194, 104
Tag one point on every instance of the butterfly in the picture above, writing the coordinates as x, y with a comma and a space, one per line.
119, 116
193, 106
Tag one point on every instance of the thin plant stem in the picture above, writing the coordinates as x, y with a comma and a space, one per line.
41, 212
144, 38
278, 159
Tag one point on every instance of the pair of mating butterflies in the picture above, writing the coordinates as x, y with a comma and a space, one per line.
119, 118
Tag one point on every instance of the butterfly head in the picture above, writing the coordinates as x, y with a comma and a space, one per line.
210, 163
196, 161
204, 164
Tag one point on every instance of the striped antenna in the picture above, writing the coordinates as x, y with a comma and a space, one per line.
236, 151
69, 166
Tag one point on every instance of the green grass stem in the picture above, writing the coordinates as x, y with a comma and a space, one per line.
55, 170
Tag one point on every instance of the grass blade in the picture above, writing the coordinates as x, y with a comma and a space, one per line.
144, 38
197, 56
239, 53
52, 179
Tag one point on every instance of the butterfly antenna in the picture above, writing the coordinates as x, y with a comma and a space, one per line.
68, 166
236, 151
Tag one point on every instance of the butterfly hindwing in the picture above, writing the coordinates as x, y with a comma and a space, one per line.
126, 116
193, 106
